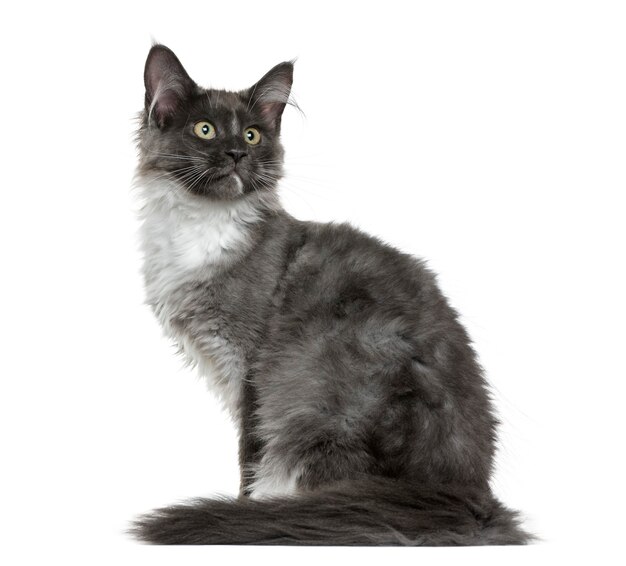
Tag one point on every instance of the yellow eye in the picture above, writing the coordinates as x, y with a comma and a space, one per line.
252, 136
204, 130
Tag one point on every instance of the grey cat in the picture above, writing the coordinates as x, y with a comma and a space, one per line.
363, 415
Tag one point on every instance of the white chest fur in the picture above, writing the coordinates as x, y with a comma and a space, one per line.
186, 238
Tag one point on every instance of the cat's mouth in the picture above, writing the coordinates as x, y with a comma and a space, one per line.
227, 182
227, 172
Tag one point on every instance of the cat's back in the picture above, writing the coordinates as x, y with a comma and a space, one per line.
337, 264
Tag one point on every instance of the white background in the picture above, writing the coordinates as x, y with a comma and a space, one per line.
488, 137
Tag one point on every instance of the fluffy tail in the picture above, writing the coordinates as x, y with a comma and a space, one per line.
364, 513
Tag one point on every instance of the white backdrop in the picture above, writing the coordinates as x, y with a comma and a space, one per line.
488, 137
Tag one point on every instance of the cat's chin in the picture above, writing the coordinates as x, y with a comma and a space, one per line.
228, 187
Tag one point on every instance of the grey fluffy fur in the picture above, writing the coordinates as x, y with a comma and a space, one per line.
364, 416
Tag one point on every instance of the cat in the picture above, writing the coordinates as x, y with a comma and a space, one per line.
363, 415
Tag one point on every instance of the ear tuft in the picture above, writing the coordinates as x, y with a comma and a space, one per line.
167, 84
272, 92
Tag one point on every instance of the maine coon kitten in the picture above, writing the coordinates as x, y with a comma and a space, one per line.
363, 415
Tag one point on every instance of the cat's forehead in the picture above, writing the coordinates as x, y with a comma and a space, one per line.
220, 104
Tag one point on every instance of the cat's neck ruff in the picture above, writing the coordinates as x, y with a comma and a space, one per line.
186, 236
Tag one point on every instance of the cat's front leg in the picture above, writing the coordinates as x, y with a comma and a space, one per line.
250, 445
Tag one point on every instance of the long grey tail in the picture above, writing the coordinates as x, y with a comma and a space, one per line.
362, 513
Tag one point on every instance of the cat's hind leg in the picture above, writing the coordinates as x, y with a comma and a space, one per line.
324, 418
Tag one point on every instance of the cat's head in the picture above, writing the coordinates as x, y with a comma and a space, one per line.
214, 143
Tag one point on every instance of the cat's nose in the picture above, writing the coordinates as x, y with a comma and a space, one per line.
236, 154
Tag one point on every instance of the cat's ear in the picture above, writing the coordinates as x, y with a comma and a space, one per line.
271, 93
167, 84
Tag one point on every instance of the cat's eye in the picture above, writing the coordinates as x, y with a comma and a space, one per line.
252, 136
204, 130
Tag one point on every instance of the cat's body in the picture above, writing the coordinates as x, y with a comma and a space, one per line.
363, 414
